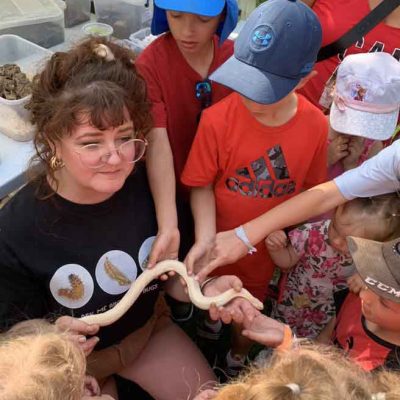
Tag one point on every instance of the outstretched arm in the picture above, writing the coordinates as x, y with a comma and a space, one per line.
160, 171
315, 201
202, 200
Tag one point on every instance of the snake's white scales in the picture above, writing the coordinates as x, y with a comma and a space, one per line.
197, 298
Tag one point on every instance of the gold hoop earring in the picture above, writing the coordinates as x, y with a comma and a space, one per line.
55, 163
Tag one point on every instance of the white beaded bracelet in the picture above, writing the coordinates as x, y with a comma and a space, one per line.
241, 234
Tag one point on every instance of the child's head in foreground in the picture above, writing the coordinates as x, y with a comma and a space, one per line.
274, 53
309, 373
37, 362
305, 373
193, 23
376, 218
379, 266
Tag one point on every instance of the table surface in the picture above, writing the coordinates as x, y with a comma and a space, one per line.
15, 156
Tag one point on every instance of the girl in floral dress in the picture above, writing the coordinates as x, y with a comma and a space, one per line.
316, 261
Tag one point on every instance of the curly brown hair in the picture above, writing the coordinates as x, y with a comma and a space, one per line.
96, 81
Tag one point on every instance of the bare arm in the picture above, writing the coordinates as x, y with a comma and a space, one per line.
375, 149
282, 253
315, 201
325, 336
202, 201
160, 170
285, 258
312, 202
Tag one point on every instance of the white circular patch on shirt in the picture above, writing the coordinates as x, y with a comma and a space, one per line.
144, 252
116, 271
72, 286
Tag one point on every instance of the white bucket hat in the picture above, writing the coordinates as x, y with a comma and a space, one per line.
367, 96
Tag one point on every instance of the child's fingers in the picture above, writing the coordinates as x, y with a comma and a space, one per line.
89, 345
213, 312
276, 242
74, 325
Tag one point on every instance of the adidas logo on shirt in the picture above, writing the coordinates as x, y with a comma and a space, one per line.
266, 177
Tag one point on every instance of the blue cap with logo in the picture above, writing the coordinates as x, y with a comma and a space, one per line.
276, 48
207, 8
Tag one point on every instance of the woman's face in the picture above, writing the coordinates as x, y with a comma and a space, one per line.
82, 179
192, 32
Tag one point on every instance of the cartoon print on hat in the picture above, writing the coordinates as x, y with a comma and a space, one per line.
359, 92
116, 271
144, 252
72, 286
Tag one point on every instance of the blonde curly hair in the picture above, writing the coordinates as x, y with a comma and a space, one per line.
386, 385
306, 373
40, 363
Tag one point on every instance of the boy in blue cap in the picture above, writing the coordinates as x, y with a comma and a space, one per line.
176, 67
260, 145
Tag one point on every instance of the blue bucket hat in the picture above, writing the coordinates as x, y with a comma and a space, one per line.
276, 48
209, 8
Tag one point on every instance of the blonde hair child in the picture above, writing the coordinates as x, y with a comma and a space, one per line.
305, 373
38, 362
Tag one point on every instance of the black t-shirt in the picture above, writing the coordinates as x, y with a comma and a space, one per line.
62, 258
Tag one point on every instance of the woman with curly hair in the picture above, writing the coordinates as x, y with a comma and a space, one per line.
76, 237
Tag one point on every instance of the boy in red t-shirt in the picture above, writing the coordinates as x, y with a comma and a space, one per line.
259, 146
176, 67
367, 326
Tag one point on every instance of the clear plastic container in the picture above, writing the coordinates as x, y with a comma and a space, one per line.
76, 12
98, 29
125, 16
40, 21
141, 39
14, 117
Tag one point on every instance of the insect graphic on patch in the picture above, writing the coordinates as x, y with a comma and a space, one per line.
76, 291
115, 274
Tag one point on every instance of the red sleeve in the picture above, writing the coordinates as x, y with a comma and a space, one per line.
202, 164
318, 171
147, 67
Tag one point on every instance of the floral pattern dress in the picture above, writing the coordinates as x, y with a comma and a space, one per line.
306, 301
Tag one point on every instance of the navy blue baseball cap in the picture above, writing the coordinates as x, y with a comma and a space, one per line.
208, 8
276, 48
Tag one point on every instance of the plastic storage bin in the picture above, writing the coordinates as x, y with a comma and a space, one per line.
125, 16
14, 118
98, 29
40, 21
76, 12
141, 39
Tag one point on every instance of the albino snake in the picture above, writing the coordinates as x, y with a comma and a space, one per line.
197, 298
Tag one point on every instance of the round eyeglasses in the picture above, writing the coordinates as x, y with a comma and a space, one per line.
97, 155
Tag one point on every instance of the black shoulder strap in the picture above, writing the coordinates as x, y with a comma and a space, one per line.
359, 30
